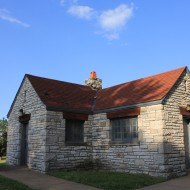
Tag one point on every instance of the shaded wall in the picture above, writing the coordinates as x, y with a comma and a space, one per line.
27, 100
174, 145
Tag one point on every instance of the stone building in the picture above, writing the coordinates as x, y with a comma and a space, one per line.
138, 127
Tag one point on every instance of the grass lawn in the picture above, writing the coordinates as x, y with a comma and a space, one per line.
9, 184
108, 180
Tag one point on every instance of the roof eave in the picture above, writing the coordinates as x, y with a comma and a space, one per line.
62, 109
143, 104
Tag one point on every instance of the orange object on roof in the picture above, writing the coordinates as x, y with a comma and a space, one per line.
93, 75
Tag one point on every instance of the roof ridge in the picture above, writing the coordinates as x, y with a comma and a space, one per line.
146, 77
94, 101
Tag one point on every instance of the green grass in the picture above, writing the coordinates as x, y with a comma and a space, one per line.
108, 180
9, 184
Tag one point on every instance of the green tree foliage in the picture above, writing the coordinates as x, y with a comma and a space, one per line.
3, 125
3, 136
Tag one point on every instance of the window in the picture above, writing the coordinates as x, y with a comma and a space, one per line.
125, 130
74, 131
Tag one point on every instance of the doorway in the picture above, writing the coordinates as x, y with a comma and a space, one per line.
24, 144
187, 142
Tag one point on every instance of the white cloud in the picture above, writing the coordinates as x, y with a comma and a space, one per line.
83, 12
5, 15
63, 2
113, 21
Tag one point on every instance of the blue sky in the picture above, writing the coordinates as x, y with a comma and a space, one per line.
121, 40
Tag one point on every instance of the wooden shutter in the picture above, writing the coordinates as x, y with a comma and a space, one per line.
75, 116
24, 118
184, 112
124, 113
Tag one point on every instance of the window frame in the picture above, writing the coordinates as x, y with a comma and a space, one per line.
130, 140
69, 129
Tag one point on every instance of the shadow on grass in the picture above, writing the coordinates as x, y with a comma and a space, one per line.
9, 184
109, 180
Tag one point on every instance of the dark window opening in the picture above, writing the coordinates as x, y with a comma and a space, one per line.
74, 131
125, 130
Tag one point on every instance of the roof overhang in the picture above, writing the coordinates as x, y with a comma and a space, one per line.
129, 106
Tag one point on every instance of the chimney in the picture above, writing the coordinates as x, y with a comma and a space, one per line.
94, 82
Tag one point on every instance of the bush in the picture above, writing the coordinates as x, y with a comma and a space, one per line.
3, 137
3, 144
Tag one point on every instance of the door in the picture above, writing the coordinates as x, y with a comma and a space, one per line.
187, 142
24, 144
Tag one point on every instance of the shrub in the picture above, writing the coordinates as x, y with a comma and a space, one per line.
3, 144
3, 137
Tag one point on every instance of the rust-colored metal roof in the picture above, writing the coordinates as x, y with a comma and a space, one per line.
60, 95
143, 90
64, 96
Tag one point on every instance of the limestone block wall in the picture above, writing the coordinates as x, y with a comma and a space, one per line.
145, 157
28, 100
174, 147
160, 151
59, 155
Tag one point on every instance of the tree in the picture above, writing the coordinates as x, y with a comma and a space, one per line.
3, 125
3, 137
